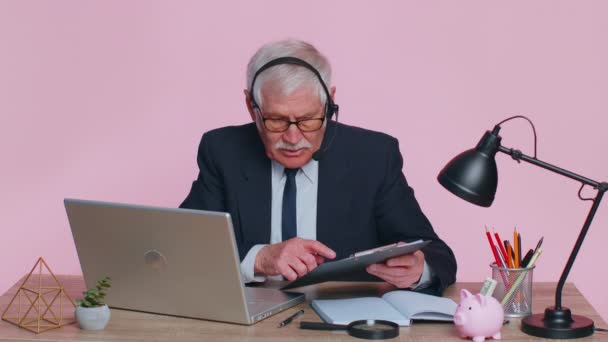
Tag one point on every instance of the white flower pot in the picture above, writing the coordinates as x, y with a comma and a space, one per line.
93, 318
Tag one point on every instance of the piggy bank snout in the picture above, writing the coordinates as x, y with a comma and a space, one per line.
460, 318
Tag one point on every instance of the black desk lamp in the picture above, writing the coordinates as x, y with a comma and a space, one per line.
472, 176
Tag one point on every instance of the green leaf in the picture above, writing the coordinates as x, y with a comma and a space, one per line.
95, 296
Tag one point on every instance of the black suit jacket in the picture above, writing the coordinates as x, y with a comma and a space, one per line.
363, 202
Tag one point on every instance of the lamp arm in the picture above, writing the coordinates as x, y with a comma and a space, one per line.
601, 187
575, 249
517, 155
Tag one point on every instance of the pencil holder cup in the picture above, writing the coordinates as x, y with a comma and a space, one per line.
513, 289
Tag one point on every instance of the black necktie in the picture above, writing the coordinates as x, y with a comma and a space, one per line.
288, 222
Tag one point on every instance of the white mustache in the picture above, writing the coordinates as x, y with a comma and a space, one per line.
281, 145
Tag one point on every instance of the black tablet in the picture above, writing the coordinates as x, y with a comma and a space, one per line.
335, 270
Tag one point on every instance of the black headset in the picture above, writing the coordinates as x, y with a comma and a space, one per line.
330, 109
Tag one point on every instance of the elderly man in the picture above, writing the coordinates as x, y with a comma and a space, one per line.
302, 188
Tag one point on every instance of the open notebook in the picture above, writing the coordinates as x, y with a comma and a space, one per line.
400, 307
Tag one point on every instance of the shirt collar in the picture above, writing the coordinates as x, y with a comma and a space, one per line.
310, 170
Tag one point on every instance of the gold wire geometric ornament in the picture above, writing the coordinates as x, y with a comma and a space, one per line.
37, 302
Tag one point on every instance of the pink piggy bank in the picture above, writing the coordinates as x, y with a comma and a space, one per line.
478, 316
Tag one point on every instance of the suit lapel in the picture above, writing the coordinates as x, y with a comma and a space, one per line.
255, 195
334, 192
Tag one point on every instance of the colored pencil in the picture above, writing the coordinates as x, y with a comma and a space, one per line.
501, 248
493, 248
510, 255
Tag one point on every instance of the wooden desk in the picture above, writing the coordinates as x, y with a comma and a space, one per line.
134, 326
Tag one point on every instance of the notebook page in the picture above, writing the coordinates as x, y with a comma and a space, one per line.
414, 305
344, 311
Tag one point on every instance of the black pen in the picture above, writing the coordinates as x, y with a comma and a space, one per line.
526, 259
540, 242
291, 318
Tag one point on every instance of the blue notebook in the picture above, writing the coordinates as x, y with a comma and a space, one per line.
400, 307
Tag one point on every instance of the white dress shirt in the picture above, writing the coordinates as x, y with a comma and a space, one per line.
306, 216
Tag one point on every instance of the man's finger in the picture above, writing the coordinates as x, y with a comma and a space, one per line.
309, 260
287, 272
401, 282
298, 266
319, 259
386, 277
407, 260
389, 271
319, 248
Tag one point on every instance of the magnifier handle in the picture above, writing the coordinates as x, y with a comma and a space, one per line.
321, 326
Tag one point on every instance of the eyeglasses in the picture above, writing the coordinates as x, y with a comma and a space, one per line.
282, 125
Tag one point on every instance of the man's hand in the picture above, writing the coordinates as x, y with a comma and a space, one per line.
292, 258
401, 271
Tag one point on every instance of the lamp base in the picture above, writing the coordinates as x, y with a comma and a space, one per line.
558, 324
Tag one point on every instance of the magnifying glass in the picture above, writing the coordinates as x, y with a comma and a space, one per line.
371, 329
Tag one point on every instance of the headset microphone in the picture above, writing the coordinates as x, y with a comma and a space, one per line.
331, 108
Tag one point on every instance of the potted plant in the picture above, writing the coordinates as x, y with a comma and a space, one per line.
91, 312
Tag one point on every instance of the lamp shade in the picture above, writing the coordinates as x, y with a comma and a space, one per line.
472, 175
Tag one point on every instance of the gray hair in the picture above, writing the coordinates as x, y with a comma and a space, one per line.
288, 77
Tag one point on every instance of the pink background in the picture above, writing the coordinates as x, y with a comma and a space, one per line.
107, 100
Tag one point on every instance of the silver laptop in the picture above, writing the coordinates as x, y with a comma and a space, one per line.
177, 262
